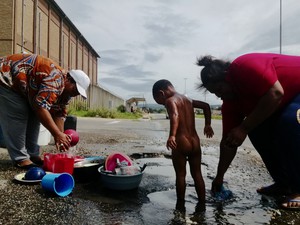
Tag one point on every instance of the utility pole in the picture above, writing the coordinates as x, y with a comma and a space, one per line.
280, 28
185, 86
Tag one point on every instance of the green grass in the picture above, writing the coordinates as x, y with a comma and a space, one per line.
116, 114
105, 113
128, 115
215, 117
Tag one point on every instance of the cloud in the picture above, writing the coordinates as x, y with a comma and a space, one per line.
152, 57
142, 41
115, 57
167, 29
135, 87
78, 13
265, 34
131, 71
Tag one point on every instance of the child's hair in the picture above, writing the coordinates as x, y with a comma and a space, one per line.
160, 85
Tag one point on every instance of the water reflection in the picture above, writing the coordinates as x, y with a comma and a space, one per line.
154, 202
181, 216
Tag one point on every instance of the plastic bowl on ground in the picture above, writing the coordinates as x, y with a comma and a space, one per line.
74, 136
119, 182
61, 184
34, 173
86, 172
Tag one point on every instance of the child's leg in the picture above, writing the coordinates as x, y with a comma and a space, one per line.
195, 168
179, 163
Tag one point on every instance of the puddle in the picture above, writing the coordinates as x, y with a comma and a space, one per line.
158, 166
162, 203
155, 199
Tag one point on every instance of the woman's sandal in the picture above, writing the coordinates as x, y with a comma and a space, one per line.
26, 167
291, 204
25, 164
273, 190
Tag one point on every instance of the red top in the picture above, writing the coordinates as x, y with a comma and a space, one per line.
252, 75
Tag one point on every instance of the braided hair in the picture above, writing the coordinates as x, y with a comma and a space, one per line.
214, 70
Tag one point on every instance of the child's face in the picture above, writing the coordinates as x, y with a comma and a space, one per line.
159, 98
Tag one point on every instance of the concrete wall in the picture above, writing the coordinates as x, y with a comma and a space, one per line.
104, 99
41, 27
6, 26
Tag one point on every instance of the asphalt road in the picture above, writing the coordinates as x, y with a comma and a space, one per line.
158, 123
153, 202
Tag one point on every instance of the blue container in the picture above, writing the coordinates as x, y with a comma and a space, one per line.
224, 194
35, 173
61, 184
120, 182
70, 123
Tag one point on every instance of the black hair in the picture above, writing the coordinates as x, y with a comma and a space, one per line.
160, 85
214, 70
71, 79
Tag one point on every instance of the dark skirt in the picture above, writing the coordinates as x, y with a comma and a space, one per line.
277, 140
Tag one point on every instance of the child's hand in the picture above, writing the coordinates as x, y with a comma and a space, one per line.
208, 131
171, 143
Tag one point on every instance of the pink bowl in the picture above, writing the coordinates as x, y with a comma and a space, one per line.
74, 136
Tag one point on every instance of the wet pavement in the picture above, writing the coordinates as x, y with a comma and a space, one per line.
154, 201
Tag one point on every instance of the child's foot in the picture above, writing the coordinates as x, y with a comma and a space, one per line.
180, 205
200, 207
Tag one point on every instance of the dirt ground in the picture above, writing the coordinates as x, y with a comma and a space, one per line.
154, 201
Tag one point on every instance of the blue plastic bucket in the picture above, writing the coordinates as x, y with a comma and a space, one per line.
61, 184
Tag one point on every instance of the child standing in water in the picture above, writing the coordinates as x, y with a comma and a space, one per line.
183, 138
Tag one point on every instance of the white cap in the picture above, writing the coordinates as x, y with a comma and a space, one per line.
82, 81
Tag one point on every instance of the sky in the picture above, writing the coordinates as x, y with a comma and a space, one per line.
142, 41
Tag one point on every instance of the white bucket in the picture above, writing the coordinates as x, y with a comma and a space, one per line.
44, 136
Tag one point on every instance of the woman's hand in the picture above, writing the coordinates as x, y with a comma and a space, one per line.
62, 141
236, 136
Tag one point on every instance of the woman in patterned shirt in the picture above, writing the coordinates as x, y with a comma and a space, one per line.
34, 90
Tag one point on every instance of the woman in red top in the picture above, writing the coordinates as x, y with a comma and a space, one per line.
260, 93
34, 89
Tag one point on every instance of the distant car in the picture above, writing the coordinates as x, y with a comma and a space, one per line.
145, 110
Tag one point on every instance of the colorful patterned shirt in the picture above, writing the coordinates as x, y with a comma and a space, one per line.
36, 78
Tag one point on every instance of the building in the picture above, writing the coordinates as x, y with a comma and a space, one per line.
41, 27
133, 103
